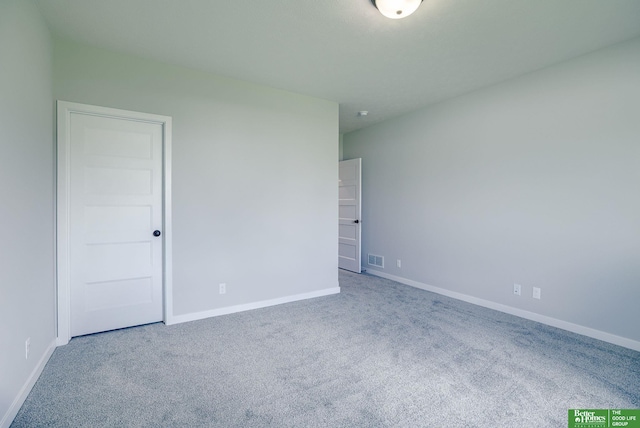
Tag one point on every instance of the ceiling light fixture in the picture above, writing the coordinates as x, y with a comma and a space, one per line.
396, 9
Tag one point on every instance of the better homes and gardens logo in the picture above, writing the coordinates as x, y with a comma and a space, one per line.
588, 418
604, 418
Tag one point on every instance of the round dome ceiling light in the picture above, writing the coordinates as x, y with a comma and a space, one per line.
396, 9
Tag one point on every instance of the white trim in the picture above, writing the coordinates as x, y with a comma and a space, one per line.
64, 111
250, 306
168, 229
62, 227
543, 319
13, 410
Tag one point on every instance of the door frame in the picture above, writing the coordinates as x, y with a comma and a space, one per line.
63, 145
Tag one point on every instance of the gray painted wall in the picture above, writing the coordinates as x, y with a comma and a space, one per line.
27, 299
254, 175
535, 181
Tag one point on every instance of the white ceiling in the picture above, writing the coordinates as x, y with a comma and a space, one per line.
345, 50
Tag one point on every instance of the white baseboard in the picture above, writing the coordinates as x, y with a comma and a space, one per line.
13, 410
177, 319
543, 319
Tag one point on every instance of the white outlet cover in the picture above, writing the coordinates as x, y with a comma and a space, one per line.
536, 293
517, 289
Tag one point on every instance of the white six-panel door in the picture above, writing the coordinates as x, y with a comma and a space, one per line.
349, 215
115, 191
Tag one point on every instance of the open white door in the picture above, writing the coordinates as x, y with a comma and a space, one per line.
113, 236
349, 214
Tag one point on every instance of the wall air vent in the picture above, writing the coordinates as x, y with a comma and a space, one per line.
375, 260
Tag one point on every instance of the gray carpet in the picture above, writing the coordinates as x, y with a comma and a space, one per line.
380, 354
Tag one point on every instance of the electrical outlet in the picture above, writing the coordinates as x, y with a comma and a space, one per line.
399, 263
517, 289
27, 348
536, 292
223, 288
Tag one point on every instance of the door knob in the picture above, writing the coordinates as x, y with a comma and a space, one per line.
356, 221
157, 233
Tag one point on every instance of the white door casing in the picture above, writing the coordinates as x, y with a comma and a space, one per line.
349, 227
113, 192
